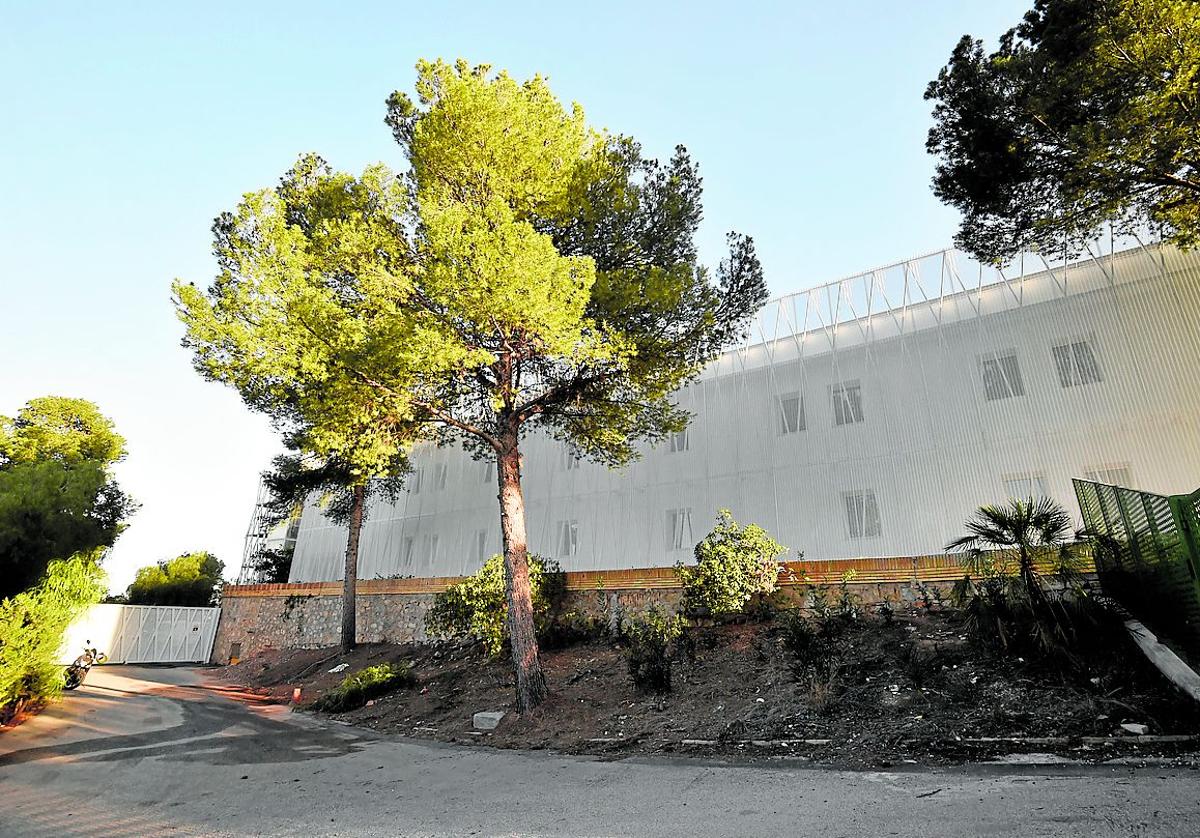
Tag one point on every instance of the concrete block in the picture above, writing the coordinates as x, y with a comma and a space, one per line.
487, 720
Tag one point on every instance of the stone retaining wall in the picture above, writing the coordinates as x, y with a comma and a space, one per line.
308, 615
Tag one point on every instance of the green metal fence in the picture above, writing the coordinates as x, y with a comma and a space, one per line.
1147, 554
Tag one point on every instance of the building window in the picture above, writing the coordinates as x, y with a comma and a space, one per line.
439, 476
407, 549
847, 403
568, 539
431, 548
1001, 376
1114, 475
1076, 364
414, 480
862, 513
570, 459
680, 441
679, 529
791, 413
489, 471
1025, 486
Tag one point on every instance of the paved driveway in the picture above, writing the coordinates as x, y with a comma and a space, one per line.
150, 752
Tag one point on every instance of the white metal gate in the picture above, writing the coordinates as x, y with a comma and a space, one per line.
145, 633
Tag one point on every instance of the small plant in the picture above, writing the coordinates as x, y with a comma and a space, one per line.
919, 664
818, 602
821, 685
357, 689
886, 610
291, 602
847, 603
734, 564
807, 644
476, 606
930, 595
654, 640
816, 662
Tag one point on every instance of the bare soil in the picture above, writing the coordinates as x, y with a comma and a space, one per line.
912, 689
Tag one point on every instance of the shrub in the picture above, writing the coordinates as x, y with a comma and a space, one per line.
809, 644
1010, 603
192, 579
653, 642
32, 625
573, 627
733, 565
818, 601
476, 606
817, 662
848, 602
886, 610
357, 689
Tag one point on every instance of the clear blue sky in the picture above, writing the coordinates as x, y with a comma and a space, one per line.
125, 128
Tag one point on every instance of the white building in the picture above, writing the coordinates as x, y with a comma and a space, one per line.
866, 417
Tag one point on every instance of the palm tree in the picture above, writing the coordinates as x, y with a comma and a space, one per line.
1007, 606
1020, 530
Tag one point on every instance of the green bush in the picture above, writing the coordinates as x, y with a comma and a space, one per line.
568, 629
810, 643
476, 606
192, 579
653, 643
733, 565
32, 626
357, 689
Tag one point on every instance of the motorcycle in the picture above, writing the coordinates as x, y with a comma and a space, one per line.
78, 670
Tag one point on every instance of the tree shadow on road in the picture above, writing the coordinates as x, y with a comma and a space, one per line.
216, 732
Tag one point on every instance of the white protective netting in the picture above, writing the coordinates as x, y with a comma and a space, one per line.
866, 417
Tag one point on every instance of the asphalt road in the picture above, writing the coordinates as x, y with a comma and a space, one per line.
153, 751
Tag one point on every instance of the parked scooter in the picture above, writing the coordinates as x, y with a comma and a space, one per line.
77, 671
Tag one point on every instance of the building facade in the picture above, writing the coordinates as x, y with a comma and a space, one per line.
866, 417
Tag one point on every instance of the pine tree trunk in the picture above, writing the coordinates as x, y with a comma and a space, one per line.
531, 682
350, 577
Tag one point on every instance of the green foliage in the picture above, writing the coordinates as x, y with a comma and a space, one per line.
192, 579
290, 315
847, 601
32, 625
294, 479
931, 596
886, 609
1010, 602
819, 602
528, 270
272, 565
809, 642
57, 497
62, 429
734, 564
477, 607
570, 628
653, 643
1086, 113
357, 689
819, 656
549, 241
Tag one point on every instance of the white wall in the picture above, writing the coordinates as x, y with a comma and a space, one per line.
931, 446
